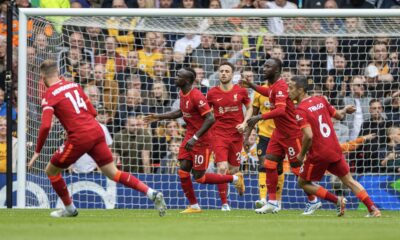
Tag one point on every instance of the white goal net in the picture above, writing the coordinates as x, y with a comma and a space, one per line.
127, 67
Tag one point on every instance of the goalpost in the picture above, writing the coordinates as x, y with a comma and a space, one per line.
79, 40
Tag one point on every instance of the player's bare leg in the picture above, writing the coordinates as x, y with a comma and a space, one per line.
271, 169
60, 187
314, 189
110, 171
361, 194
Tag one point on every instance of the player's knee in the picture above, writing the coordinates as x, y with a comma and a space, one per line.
270, 165
301, 182
261, 168
199, 176
222, 168
280, 168
185, 165
233, 170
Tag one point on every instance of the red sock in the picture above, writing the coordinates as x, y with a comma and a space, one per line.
364, 197
213, 178
61, 189
187, 186
130, 181
222, 189
272, 178
324, 194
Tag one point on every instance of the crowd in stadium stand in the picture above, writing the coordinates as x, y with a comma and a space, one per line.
128, 74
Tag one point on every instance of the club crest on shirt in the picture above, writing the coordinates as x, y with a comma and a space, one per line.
267, 104
187, 104
280, 94
235, 98
298, 118
44, 101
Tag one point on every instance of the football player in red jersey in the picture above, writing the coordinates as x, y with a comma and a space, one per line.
285, 139
67, 101
322, 147
195, 149
227, 101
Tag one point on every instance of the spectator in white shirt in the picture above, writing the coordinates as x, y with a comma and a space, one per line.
276, 23
187, 43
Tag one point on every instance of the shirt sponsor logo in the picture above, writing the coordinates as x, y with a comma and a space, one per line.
223, 110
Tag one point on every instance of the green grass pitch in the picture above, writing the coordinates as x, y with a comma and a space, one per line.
210, 224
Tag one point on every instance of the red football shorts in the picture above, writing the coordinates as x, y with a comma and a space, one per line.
200, 155
316, 170
228, 150
281, 146
69, 152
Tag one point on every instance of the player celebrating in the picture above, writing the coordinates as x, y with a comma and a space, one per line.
322, 147
194, 152
265, 129
227, 101
67, 101
286, 136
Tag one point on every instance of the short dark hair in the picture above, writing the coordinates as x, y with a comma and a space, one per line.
191, 76
227, 64
301, 82
278, 63
374, 101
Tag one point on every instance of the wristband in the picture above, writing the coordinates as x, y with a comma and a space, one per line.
195, 137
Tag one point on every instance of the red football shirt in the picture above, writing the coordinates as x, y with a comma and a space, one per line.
316, 112
69, 103
286, 125
228, 109
194, 106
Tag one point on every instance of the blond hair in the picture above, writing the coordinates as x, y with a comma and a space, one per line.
48, 68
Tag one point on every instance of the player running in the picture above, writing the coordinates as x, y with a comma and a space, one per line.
227, 101
194, 152
286, 136
67, 101
322, 147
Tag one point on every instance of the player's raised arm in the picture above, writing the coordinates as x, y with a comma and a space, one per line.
209, 120
157, 117
340, 114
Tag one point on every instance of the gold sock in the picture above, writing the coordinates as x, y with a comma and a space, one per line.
281, 181
262, 185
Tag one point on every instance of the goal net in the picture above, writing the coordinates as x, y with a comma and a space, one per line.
127, 67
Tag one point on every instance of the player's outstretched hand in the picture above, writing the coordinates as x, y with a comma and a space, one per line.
350, 109
253, 121
190, 144
241, 127
369, 136
150, 118
33, 160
